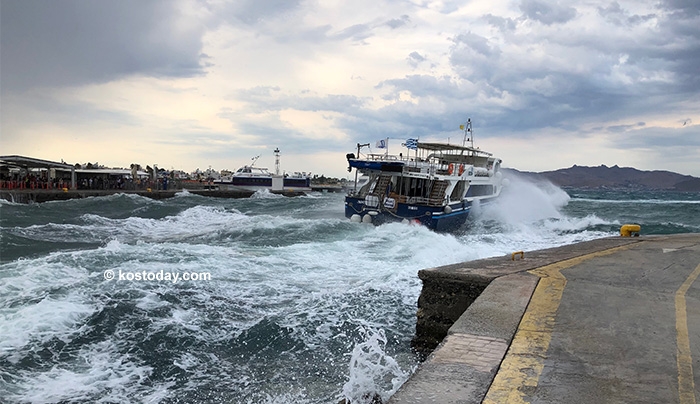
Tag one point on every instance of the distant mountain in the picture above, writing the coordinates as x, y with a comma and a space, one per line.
615, 177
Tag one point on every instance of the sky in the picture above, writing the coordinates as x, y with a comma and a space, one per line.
199, 84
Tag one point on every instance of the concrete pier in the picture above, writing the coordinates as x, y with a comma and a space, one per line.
40, 195
615, 320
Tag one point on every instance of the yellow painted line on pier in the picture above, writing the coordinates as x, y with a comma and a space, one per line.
521, 368
686, 386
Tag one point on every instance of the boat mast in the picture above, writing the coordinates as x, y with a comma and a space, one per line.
277, 161
468, 134
359, 146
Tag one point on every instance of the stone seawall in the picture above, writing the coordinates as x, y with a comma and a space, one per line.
442, 301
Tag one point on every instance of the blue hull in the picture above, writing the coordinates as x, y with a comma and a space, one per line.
378, 165
432, 217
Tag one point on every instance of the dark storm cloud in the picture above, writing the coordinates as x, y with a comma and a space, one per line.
625, 128
254, 11
547, 13
73, 42
674, 47
681, 48
646, 138
474, 57
272, 17
441, 105
273, 132
502, 23
415, 58
357, 32
425, 86
474, 43
46, 109
615, 14
595, 75
681, 8
264, 98
353, 115
271, 101
398, 22
443, 7
573, 77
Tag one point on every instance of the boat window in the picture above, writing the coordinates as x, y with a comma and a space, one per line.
393, 185
372, 184
458, 191
480, 190
415, 187
365, 187
404, 185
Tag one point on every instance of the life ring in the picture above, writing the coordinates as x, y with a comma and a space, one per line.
450, 169
461, 169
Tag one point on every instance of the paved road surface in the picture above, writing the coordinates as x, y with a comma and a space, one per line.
617, 323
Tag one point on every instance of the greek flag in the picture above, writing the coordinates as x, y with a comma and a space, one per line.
411, 144
381, 144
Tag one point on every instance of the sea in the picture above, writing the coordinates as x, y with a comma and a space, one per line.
269, 299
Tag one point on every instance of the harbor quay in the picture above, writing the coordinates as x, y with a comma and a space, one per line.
614, 320
42, 195
26, 179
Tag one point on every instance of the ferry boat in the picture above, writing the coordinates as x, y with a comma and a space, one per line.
436, 186
252, 178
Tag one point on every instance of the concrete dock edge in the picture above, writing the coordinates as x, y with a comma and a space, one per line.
465, 362
462, 367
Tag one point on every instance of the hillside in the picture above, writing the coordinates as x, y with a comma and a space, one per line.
616, 177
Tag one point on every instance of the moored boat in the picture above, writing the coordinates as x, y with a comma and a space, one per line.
250, 177
437, 186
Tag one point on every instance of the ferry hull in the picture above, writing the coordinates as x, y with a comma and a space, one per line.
437, 185
223, 186
256, 184
434, 218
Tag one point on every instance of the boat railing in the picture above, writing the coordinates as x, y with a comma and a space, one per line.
481, 172
432, 167
418, 200
384, 157
444, 169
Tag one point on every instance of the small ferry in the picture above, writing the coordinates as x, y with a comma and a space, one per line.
435, 184
252, 178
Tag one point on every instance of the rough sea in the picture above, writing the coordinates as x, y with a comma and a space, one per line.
287, 301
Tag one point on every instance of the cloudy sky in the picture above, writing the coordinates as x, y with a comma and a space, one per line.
192, 84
